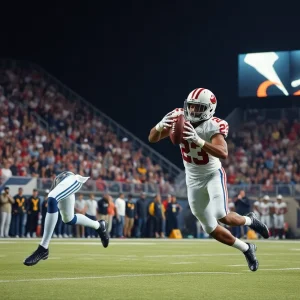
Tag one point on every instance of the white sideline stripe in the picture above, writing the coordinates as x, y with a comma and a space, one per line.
96, 243
295, 249
6, 242
192, 255
182, 263
283, 269
119, 276
99, 244
146, 240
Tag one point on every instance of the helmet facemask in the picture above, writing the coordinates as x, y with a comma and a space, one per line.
196, 112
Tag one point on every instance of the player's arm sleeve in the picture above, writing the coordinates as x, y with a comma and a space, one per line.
218, 127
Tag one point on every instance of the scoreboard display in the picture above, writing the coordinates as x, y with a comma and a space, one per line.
267, 74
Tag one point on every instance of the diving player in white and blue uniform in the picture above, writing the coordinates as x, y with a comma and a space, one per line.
62, 197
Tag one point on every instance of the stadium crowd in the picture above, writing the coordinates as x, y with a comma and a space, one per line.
74, 138
264, 151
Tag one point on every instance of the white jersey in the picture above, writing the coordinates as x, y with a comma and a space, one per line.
265, 208
196, 161
256, 206
91, 207
279, 208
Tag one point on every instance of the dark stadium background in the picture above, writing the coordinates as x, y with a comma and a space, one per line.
137, 61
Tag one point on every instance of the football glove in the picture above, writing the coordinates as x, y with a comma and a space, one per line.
192, 136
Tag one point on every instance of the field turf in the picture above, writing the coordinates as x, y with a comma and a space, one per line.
148, 269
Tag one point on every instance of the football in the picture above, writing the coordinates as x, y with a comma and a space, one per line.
176, 132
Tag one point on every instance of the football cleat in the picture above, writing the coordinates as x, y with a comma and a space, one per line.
36, 256
251, 258
258, 226
103, 233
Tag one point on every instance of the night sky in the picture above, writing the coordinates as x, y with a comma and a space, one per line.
137, 60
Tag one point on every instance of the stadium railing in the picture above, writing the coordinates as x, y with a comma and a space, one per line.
115, 187
103, 186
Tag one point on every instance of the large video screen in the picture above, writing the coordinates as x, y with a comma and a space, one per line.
269, 74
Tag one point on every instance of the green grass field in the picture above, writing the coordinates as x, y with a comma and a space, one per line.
148, 269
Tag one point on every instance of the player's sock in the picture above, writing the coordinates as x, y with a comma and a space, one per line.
242, 246
85, 221
50, 222
248, 221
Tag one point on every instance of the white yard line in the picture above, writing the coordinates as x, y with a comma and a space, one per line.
114, 241
283, 269
191, 255
119, 276
146, 240
182, 263
98, 243
88, 243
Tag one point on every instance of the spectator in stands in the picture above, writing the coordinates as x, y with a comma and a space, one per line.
103, 204
80, 208
172, 211
130, 213
120, 215
18, 212
91, 212
242, 207
33, 211
44, 211
6, 202
142, 215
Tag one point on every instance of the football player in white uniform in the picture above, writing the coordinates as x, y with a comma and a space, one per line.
62, 198
202, 147
266, 211
256, 208
280, 209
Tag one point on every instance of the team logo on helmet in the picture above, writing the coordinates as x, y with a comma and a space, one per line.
213, 99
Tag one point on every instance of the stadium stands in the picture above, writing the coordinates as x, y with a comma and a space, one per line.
42, 133
265, 151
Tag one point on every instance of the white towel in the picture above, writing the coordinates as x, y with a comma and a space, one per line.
81, 179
